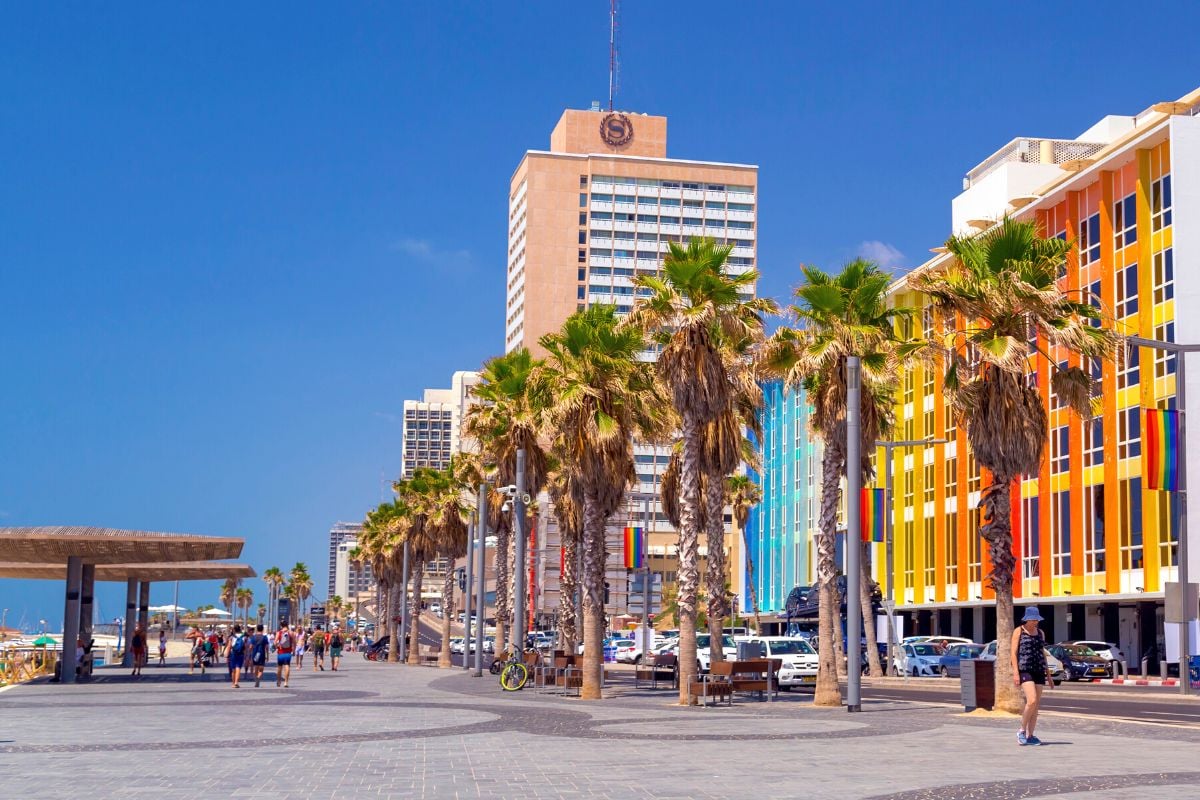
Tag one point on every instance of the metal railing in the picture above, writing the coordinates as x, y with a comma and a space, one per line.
1033, 151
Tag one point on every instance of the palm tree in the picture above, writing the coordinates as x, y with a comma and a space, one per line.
743, 495
302, 583
503, 422
598, 394
839, 316
382, 545
418, 493
262, 612
244, 598
693, 311
1004, 284
273, 577
228, 594
448, 524
333, 607
566, 497
289, 591
356, 564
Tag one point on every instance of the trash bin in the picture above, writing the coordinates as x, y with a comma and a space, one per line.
978, 683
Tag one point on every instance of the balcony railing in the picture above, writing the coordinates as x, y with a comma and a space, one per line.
1033, 151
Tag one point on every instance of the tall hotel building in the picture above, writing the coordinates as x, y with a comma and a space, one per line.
433, 425
1094, 545
587, 216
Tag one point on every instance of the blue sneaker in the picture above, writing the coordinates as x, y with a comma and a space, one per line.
1033, 741
1021, 738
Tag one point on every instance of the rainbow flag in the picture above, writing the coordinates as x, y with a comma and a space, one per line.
1160, 453
872, 513
635, 539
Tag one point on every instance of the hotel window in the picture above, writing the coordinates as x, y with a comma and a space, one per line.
908, 387
951, 423
1127, 367
1093, 528
974, 479
910, 546
929, 483
1164, 275
1060, 527
1095, 370
1089, 240
1164, 361
1030, 538
582, 200
1129, 432
930, 553
1125, 221
1127, 291
1060, 456
1055, 400
974, 547
1169, 541
951, 472
1129, 504
1093, 442
582, 256
952, 548
1160, 203
583, 237
583, 181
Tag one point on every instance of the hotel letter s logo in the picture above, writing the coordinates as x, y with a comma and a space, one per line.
616, 130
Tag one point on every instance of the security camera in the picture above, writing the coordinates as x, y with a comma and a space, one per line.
509, 490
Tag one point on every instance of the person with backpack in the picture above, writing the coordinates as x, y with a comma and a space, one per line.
317, 640
235, 655
285, 643
258, 654
335, 647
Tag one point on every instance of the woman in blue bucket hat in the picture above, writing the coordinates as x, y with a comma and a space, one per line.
1030, 671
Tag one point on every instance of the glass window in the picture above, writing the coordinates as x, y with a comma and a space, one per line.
1060, 519
582, 200
1130, 524
1164, 361
1060, 455
1160, 203
1093, 528
1089, 239
1127, 368
1093, 441
625, 198
1127, 291
1129, 432
1125, 221
1030, 537
1164, 275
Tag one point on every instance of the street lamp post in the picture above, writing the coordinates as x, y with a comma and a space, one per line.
890, 603
1180, 351
853, 529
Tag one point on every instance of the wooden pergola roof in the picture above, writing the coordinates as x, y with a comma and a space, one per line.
162, 571
47, 545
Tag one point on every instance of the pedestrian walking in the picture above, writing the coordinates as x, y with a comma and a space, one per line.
1030, 671
258, 654
162, 648
318, 649
139, 646
301, 645
197, 637
285, 645
335, 647
235, 655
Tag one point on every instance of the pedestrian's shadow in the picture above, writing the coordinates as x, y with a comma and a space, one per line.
1056, 744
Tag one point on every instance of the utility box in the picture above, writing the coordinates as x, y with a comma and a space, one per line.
978, 683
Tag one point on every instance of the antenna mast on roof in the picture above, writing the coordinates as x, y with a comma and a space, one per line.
612, 52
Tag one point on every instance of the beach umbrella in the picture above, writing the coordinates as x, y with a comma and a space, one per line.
215, 612
43, 641
167, 609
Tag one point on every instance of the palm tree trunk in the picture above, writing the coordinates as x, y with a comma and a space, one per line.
714, 513
997, 532
391, 592
828, 693
414, 628
689, 571
503, 576
594, 557
447, 615
568, 635
868, 614
750, 575
839, 627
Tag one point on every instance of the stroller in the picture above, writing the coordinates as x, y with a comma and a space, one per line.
377, 651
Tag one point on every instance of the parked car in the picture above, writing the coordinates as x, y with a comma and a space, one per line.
956, 653
456, 644
626, 649
728, 648
918, 659
1106, 650
948, 641
1057, 671
1082, 663
799, 659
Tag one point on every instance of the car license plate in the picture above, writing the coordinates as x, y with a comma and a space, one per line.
808, 678
1099, 671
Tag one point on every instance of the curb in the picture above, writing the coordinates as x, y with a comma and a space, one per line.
1138, 682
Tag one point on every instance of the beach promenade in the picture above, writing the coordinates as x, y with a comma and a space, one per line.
383, 730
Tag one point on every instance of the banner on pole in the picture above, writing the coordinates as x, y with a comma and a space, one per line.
634, 539
1160, 454
872, 515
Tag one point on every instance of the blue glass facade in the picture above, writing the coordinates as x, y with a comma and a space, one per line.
778, 528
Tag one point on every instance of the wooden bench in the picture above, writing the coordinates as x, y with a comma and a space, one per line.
717, 685
655, 668
755, 675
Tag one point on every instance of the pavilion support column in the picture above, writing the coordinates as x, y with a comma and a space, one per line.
71, 617
87, 596
131, 601
144, 605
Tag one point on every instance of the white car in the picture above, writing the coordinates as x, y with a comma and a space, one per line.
799, 659
1106, 650
625, 650
919, 659
728, 648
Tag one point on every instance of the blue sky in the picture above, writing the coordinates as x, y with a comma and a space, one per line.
234, 240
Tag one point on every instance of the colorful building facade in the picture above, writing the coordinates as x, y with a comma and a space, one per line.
1094, 544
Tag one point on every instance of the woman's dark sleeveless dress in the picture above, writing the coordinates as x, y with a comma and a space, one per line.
1031, 658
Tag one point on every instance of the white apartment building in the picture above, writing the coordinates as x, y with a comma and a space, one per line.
433, 425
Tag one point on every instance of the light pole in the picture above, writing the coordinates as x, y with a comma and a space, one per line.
890, 602
480, 597
853, 529
468, 590
1180, 352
